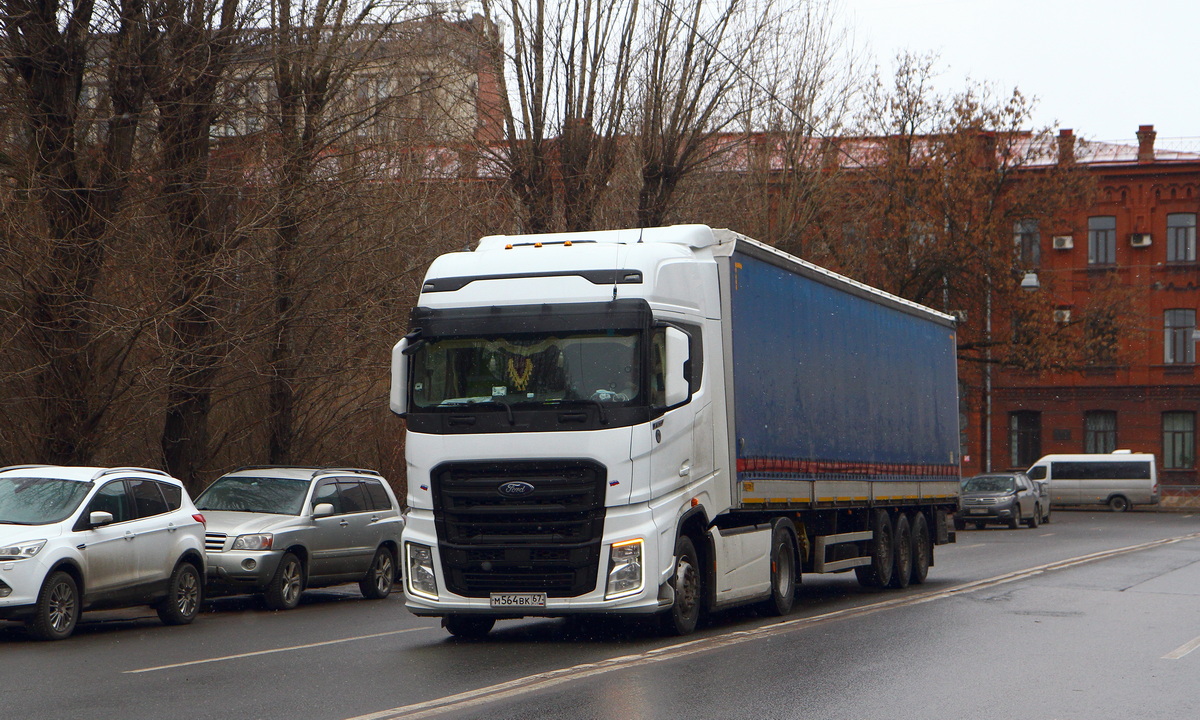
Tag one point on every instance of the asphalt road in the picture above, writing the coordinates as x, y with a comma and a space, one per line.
1093, 616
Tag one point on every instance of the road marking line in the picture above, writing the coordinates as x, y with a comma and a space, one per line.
1182, 650
550, 678
272, 651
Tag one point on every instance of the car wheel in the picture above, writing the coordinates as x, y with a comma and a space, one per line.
901, 553
783, 572
1118, 503
377, 584
980, 525
684, 614
960, 524
1014, 522
184, 594
468, 626
283, 591
57, 609
1037, 516
922, 549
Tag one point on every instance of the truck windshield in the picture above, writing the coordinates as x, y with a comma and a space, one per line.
528, 370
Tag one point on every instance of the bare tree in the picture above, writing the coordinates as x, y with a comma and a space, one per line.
75, 178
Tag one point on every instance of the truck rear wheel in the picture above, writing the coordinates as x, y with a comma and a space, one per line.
902, 551
922, 549
783, 571
684, 614
879, 572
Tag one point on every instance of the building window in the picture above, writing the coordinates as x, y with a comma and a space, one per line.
1029, 243
1181, 237
1102, 240
1025, 437
1099, 431
1178, 345
1179, 440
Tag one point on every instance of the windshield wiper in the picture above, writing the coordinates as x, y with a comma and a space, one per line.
507, 410
583, 401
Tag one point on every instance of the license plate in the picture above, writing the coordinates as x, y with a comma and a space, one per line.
518, 600
978, 511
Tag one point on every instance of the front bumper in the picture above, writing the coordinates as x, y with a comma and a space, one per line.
242, 571
987, 513
653, 596
20, 583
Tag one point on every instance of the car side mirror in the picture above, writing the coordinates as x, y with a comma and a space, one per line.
97, 518
322, 510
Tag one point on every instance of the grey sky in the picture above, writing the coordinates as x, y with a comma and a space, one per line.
1101, 67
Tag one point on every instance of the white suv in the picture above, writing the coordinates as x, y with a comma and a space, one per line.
83, 537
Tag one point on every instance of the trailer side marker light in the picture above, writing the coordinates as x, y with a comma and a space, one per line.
537, 244
567, 243
508, 246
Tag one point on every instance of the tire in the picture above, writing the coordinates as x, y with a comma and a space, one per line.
1118, 503
377, 583
922, 549
1034, 521
684, 614
1014, 522
468, 626
960, 524
283, 591
1046, 519
185, 592
980, 525
901, 553
879, 573
57, 610
783, 572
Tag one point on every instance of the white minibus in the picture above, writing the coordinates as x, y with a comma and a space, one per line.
1119, 480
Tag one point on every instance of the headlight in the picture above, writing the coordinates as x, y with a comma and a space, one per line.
624, 569
22, 551
260, 541
420, 575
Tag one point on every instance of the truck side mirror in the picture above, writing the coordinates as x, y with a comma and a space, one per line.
398, 399
678, 354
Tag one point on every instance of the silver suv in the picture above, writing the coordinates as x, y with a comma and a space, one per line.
277, 530
75, 538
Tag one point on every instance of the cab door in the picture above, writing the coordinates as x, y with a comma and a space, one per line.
671, 446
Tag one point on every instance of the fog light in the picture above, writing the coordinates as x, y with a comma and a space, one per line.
624, 569
249, 564
5, 590
422, 580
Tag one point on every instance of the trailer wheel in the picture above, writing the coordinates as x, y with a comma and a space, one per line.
879, 572
922, 549
783, 571
902, 553
681, 619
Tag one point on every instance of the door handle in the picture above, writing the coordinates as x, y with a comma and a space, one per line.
685, 470
344, 523
171, 527
128, 535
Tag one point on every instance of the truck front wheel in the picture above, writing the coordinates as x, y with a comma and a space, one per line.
681, 619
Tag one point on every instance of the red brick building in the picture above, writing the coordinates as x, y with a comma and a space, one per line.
1139, 235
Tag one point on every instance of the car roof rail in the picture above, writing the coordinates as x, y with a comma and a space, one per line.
112, 471
6, 468
360, 471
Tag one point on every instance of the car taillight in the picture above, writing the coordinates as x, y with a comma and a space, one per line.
200, 519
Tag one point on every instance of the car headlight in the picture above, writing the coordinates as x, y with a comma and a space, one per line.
259, 541
420, 575
625, 569
22, 551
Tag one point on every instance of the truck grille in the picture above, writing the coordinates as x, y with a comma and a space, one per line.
214, 542
545, 539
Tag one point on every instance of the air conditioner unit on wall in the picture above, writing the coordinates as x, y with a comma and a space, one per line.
1063, 242
1140, 239
1062, 315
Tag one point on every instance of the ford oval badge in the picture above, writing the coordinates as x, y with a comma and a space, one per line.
516, 488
